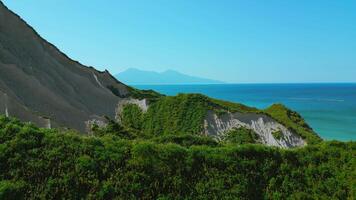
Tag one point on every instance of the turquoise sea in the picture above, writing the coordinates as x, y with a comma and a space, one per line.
330, 109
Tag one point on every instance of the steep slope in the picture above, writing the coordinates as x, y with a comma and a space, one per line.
39, 83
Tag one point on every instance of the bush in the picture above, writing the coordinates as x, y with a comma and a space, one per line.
12, 190
241, 136
49, 164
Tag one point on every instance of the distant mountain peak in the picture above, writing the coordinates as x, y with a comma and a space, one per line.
134, 76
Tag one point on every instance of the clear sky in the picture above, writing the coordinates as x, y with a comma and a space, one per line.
234, 41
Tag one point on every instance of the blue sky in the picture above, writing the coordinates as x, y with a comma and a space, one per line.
234, 41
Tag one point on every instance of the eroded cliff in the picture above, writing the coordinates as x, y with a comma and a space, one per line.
264, 126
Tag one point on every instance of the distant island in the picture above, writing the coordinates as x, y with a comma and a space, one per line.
168, 77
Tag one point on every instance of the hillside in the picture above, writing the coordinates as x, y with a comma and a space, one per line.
39, 83
200, 115
134, 76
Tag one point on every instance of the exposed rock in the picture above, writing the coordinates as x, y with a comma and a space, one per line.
142, 104
264, 126
100, 122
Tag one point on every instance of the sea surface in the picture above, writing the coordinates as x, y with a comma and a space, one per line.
330, 109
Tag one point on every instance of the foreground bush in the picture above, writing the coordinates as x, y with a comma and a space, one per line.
49, 164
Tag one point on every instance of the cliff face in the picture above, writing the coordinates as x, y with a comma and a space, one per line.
38, 83
264, 126
228, 122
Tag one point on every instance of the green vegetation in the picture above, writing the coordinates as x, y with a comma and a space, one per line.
186, 140
133, 117
12, 190
277, 135
150, 95
293, 121
185, 114
241, 136
112, 164
226, 106
181, 114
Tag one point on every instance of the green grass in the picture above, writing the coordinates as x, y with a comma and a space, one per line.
226, 106
182, 114
133, 116
294, 122
186, 140
277, 135
150, 95
241, 136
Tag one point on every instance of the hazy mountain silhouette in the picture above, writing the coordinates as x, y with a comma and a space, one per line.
135, 76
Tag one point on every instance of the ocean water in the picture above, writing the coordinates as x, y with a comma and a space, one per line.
330, 109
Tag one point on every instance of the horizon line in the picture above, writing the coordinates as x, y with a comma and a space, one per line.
257, 83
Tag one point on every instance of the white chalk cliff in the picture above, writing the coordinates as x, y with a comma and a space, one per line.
264, 126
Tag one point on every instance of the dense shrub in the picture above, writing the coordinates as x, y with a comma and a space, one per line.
294, 122
186, 140
11, 190
241, 136
49, 164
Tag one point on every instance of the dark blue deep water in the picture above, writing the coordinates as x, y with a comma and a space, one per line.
330, 109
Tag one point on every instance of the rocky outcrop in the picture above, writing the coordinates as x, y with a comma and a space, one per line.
142, 104
264, 126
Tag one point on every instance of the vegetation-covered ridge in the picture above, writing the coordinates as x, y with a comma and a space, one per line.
185, 113
48, 164
150, 95
293, 121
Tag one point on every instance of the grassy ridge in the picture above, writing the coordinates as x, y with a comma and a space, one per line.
185, 114
294, 122
48, 164
150, 95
